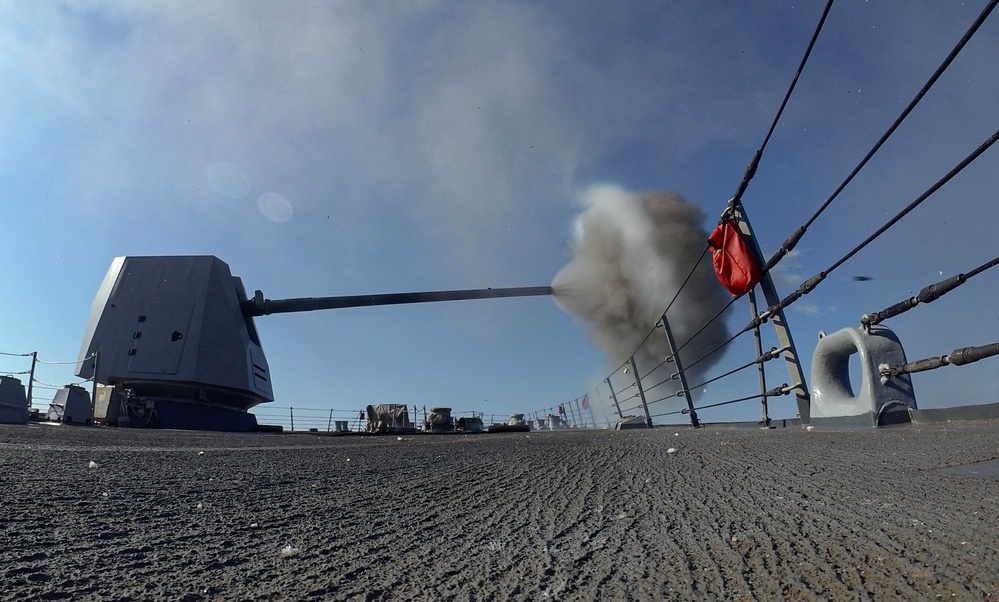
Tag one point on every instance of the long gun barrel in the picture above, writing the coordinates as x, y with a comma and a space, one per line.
258, 306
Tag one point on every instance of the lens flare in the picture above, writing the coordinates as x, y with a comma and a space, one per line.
275, 207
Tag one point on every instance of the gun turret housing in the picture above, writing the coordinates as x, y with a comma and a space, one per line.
178, 332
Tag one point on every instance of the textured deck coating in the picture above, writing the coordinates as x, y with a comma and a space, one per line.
731, 514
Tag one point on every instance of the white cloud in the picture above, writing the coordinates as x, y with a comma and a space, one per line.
807, 309
466, 121
275, 207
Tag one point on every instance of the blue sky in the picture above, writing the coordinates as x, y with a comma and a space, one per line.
334, 148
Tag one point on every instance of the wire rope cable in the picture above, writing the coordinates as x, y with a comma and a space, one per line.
766, 357
66, 363
754, 163
751, 171
810, 284
792, 241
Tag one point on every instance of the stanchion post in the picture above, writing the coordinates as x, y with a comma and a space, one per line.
641, 392
617, 406
589, 409
795, 371
93, 385
675, 358
572, 412
31, 377
759, 353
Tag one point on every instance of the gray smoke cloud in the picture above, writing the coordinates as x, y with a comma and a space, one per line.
631, 252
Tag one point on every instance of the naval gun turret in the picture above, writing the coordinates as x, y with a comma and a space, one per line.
173, 340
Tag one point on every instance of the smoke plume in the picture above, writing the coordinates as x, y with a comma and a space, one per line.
631, 253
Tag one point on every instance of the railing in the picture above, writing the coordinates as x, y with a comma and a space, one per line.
306, 419
651, 381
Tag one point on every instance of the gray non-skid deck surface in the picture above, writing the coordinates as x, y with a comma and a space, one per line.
731, 514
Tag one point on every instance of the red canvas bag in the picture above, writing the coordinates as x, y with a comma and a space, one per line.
735, 266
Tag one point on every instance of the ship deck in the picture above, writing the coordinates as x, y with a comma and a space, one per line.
671, 513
